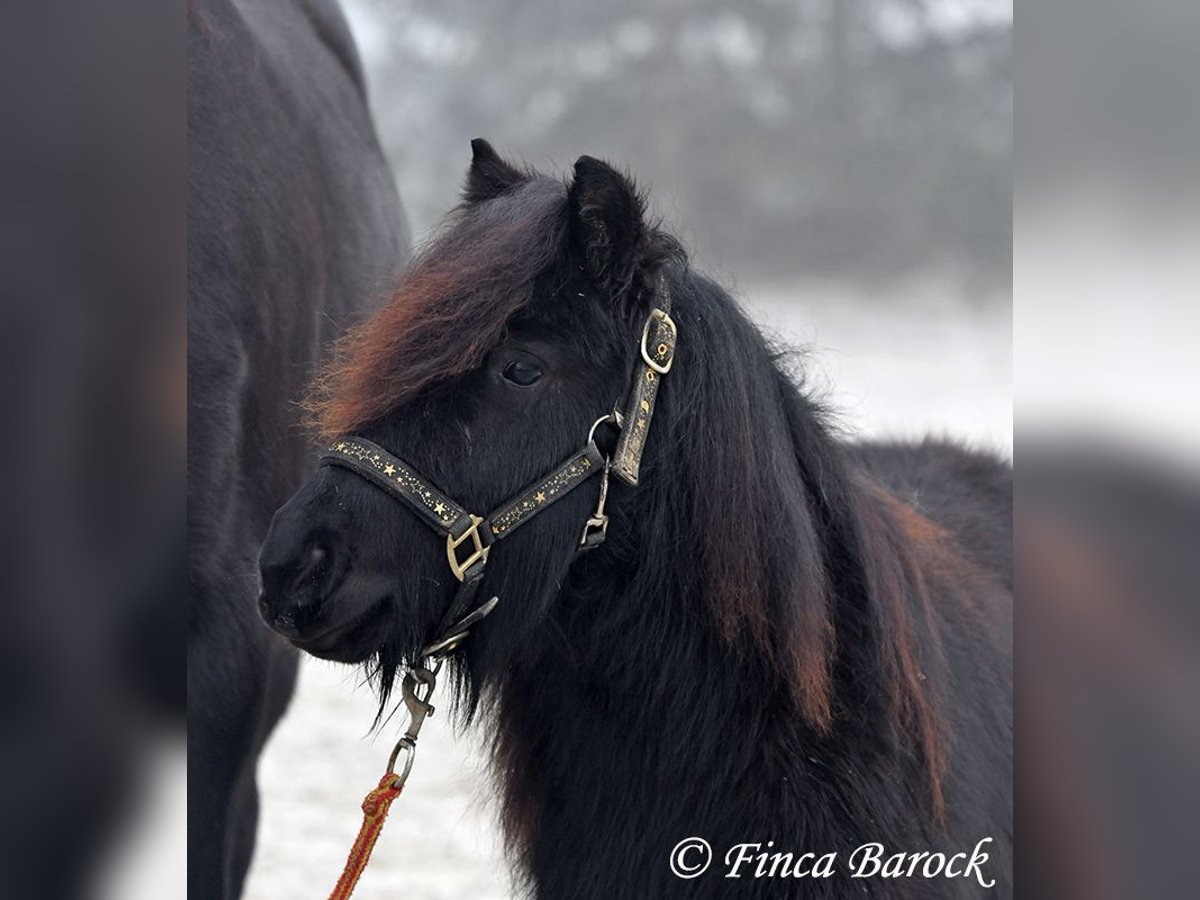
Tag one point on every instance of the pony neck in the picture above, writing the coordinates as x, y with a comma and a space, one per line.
755, 618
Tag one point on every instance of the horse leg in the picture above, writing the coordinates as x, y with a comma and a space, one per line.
243, 829
244, 821
239, 680
210, 797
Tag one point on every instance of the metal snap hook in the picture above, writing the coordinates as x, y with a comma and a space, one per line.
595, 529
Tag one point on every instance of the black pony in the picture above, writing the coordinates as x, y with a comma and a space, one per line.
293, 224
784, 639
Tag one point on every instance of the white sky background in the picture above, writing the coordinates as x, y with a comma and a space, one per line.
895, 20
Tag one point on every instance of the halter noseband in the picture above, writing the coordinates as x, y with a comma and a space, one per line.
469, 538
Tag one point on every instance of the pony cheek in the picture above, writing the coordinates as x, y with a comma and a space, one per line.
394, 557
527, 573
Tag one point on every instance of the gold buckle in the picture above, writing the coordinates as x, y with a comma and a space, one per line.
663, 319
478, 551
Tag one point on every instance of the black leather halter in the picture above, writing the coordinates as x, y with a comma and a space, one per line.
469, 537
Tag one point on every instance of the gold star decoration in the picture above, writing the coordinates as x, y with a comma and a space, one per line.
389, 469
540, 497
439, 508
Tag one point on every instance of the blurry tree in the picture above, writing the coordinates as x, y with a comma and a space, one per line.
845, 137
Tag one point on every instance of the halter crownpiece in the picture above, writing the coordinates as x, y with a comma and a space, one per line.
469, 537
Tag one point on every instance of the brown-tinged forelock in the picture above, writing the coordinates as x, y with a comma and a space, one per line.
450, 308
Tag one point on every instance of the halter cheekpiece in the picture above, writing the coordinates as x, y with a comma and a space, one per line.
469, 537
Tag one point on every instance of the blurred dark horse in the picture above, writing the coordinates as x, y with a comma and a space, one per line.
293, 223
785, 637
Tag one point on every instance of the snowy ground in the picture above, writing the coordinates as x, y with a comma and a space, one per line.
918, 360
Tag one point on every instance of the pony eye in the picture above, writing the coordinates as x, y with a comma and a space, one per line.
523, 374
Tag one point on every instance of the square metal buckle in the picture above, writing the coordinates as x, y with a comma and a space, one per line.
477, 551
664, 355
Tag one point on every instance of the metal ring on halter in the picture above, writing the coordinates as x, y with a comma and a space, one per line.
445, 645
613, 417
439, 650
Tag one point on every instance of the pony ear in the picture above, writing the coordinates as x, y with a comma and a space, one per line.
489, 176
606, 223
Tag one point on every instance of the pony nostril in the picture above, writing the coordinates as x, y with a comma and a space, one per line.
314, 566
317, 554
297, 577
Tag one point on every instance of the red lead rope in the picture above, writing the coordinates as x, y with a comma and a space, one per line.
375, 809
376, 804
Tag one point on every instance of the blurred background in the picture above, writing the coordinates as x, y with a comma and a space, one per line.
849, 138
1107, 276
844, 166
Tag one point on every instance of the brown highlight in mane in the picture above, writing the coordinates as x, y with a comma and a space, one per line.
904, 557
798, 640
811, 567
451, 307
925, 552
899, 551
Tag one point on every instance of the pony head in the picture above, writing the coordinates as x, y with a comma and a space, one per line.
505, 340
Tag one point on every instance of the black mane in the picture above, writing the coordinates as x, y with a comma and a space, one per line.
767, 606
